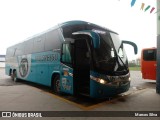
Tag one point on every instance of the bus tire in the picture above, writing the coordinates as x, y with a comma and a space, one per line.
10, 72
14, 76
57, 84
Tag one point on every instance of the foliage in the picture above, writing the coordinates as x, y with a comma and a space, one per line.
137, 68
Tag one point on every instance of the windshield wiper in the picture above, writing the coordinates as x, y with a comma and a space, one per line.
107, 60
122, 62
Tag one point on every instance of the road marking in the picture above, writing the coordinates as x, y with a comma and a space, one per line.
68, 101
61, 98
114, 99
86, 108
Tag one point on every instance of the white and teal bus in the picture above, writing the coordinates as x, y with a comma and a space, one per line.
74, 57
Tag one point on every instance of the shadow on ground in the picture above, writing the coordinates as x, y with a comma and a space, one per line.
81, 100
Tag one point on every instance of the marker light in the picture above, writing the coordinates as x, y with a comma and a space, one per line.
65, 73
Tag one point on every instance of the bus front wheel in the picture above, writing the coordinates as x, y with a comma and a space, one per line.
57, 84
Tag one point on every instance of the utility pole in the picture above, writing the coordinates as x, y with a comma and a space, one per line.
158, 48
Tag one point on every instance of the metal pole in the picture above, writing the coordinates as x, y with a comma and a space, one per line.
158, 48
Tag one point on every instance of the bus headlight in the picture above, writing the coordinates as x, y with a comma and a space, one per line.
129, 79
102, 81
99, 80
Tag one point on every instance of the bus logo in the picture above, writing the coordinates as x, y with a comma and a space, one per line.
23, 68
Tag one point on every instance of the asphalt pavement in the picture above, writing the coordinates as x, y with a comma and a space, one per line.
24, 96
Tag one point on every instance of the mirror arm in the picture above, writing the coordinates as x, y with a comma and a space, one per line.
131, 43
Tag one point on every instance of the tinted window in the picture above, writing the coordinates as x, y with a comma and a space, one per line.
28, 46
19, 50
104, 52
68, 30
10, 52
118, 45
66, 56
39, 43
52, 40
149, 55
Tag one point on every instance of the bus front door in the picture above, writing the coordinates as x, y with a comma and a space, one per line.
81, 67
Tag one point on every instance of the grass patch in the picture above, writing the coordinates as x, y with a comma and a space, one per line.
134, 68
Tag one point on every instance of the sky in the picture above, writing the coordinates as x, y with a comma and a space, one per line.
20, 19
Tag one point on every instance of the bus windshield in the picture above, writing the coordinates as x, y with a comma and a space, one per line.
110, 57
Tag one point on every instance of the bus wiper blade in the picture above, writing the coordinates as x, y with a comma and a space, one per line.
108, 60
122, 62
101, 61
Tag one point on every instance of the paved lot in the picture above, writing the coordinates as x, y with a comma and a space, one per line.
23, 96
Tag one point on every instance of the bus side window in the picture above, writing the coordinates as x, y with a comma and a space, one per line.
52, 40
19, 50
14, 53
28, 46
10, 52
39, 43
66, 54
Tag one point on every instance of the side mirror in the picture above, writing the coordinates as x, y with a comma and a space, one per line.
131, 43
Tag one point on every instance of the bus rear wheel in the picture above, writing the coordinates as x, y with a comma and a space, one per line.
57, 84
14, 76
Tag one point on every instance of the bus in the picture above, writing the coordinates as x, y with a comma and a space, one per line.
74, 57
148, 63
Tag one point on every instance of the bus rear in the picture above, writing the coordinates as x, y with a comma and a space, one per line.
148, 63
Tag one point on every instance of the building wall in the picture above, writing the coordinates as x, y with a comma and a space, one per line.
2, 61
2, 64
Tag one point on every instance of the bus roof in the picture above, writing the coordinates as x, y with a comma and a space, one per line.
74, 22
84, 22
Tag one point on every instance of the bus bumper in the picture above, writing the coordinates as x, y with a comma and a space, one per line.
98, 90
